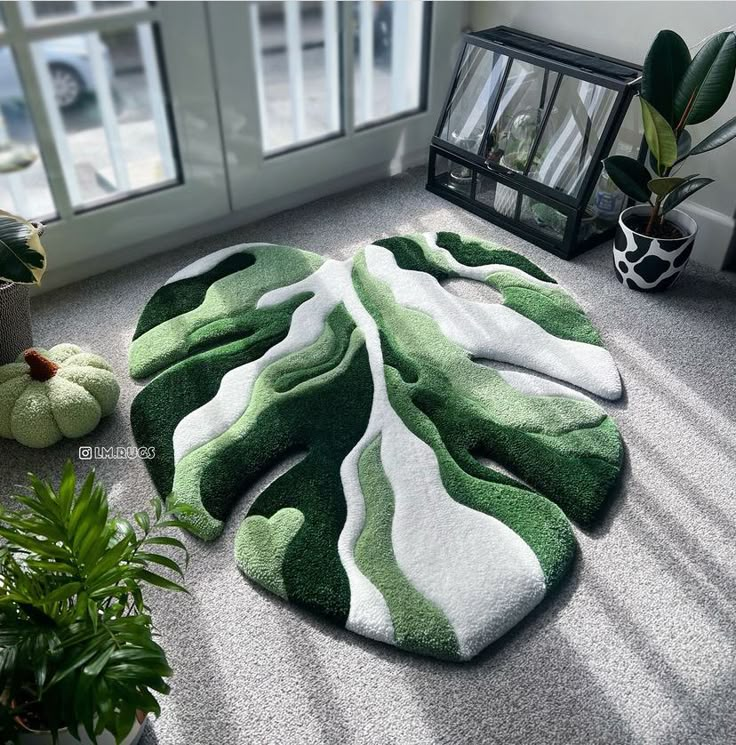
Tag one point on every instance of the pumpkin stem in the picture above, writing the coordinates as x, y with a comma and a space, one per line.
42, 368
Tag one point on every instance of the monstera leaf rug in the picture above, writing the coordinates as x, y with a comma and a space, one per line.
430, 510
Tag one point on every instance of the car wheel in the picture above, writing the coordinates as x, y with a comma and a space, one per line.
68, 86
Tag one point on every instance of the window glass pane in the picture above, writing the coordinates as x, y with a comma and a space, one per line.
478, 80
503, 199
485, 190
298, 71
518, 117
606, 200
389, 46
105, 99
579, 114
516, 206
24, 188
49, 10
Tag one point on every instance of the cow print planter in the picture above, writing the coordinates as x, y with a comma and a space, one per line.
651, 264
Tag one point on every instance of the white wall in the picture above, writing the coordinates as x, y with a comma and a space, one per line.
625, 30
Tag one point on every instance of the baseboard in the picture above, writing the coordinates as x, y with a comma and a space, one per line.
715, 235
60, 276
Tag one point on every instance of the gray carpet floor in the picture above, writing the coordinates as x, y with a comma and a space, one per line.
639, 646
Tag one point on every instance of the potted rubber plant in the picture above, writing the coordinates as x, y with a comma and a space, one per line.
654, 239
78, 659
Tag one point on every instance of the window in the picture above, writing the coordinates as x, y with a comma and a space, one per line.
100, 97
24, 191
298, 71
301, 81
389, 54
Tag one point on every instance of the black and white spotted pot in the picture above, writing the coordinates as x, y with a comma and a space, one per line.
651, 264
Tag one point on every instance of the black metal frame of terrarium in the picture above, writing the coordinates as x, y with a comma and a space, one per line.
523, 131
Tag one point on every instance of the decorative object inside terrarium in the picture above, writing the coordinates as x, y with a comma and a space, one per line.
461, 177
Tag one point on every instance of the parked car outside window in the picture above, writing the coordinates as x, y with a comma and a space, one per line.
69, 66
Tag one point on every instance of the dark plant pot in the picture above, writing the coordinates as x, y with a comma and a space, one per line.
16, 334
652, 264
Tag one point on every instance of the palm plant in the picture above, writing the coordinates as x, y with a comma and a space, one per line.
676, 92
76, 637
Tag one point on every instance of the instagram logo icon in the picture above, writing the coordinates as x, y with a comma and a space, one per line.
101, 452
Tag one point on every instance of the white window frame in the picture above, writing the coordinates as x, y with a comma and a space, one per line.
352, 157
81, 243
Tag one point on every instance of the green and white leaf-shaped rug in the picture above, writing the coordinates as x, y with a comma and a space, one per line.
390, 525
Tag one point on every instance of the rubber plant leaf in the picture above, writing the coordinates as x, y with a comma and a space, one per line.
659, 135
663, 186
707, 81
664, 67
725, 133
684, 143
683, 191
22, 257
629, 175
423, 496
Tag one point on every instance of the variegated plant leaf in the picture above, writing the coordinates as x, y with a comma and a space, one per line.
428, 510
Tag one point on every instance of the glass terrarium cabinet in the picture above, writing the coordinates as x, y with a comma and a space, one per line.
522, 134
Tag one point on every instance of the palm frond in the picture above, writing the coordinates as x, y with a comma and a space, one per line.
74, 627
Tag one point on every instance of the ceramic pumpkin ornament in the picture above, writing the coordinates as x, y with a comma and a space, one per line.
48, 395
